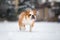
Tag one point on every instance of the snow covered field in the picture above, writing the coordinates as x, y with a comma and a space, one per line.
41, 31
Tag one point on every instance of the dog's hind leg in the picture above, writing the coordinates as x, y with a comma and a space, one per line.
19, 24
22, 28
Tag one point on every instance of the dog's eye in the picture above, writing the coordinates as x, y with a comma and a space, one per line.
29, 14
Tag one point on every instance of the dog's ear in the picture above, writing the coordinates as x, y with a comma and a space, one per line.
34, 11
27, 12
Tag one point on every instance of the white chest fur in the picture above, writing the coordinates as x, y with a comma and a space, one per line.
27, 21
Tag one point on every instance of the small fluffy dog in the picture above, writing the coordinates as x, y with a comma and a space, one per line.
27, 17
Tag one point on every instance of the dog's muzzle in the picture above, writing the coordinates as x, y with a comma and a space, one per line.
33, 17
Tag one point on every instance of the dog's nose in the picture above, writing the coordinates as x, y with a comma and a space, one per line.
33, 17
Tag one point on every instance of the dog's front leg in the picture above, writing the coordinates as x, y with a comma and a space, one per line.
31, 26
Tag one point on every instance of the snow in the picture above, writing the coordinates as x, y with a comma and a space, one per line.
41, 31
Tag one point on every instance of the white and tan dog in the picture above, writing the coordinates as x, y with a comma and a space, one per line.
27, 17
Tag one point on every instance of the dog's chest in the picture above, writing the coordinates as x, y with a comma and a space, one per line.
27, 21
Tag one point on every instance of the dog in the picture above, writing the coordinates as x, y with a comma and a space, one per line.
27, 17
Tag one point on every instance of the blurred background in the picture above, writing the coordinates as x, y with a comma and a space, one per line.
48, 10
46, 27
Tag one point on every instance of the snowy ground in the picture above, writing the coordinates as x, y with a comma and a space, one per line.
41, 31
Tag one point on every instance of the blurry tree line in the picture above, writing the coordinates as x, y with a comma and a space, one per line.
46, 12
2, 1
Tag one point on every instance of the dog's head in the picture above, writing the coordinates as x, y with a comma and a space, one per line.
31, 14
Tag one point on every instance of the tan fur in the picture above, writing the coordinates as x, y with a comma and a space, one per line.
25, 14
